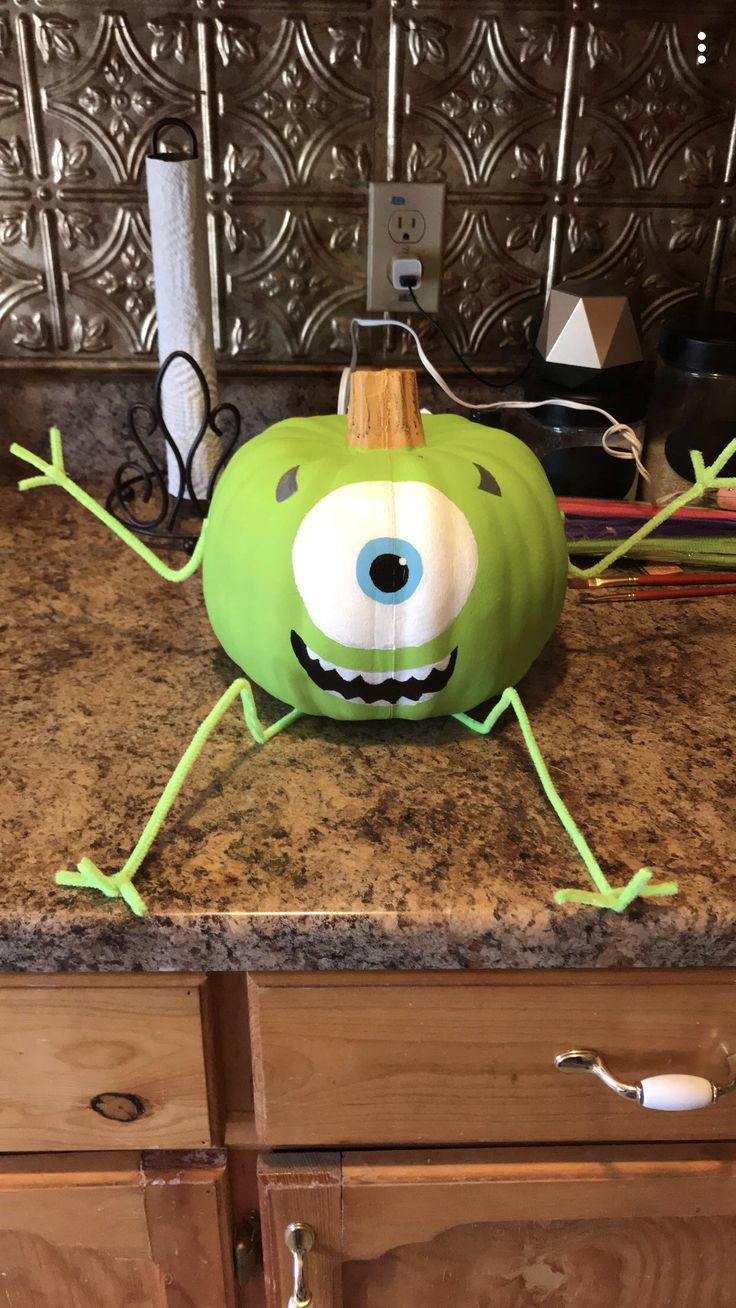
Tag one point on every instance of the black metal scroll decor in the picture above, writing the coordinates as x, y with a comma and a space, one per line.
142, 482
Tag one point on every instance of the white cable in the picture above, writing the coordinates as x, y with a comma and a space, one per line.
344, 390
633, 450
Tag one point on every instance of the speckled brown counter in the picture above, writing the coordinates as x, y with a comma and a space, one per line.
347, 846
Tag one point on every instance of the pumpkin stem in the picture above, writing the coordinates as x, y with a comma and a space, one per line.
383, 412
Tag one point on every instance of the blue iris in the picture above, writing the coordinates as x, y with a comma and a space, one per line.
389, 569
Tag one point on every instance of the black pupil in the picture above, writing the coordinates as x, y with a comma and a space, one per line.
389, 572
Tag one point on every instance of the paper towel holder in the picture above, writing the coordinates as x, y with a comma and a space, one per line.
138, 480
154, 148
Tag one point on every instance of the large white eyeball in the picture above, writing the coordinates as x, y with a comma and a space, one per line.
383, 564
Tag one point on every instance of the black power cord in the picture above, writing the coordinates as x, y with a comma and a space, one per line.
409, 283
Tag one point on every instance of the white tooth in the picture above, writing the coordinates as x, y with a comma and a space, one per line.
373, 678
420, 673
404, 699
312, 654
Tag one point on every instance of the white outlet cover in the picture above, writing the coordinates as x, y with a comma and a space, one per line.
418, 201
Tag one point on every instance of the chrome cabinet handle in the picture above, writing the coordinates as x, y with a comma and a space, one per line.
299, 1240
671, 1093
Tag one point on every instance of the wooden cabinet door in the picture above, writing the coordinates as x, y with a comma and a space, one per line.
572, 1227
120, 1230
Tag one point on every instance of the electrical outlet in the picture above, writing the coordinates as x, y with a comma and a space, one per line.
404, 218
406, 226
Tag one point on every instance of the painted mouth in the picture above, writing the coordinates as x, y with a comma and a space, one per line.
413, 686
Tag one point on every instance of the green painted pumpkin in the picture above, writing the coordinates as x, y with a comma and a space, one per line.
414, 569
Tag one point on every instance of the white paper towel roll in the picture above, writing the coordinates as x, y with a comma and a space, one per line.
183, 307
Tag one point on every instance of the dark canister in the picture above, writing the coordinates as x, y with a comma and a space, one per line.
693, 404
567, 440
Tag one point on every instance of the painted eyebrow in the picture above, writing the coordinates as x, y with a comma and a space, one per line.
287, 484
487, 481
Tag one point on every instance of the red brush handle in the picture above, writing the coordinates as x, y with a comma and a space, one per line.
584, 508
677, 579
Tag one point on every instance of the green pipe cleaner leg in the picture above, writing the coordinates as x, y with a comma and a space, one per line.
605, 895
120, 884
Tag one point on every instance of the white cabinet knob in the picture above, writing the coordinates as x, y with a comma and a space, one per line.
676, 1093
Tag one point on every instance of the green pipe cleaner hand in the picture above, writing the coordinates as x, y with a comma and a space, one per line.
54, 474
705, 478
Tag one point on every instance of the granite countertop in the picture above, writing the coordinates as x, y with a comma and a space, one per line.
347, 846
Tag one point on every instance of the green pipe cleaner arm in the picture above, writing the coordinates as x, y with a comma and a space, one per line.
705, 479
54, 474
605, 895
120, 884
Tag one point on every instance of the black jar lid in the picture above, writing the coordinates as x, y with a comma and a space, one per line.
700, 341
626, 401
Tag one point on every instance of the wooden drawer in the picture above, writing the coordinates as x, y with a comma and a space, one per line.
137, 1042
448, 1058
615, 1225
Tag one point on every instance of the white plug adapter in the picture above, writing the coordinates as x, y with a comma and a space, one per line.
406, 268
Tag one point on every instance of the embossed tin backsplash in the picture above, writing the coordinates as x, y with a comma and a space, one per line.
575, 138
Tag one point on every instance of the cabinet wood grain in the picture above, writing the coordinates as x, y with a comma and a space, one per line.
304, 1188
445, 1058
138, 1045
38, 1273
187, 1205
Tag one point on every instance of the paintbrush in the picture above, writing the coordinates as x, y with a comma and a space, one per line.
634, 579
661, 593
